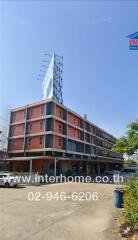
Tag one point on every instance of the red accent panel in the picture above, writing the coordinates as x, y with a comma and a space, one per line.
73, 119
35, 143
18, 144
73, 132
17, 116
59, 112
59, 126
35, 127
36, 112
16, 130
58, 142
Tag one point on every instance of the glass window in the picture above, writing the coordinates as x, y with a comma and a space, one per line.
60, 113
78, 135
60, 128
41, 140
42, 109
85, 137
30, 127
13, 131
31, 112
29, 141
41, 125
92, 140
14, 117
92, 129
60, 142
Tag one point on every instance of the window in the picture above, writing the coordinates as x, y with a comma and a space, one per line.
13, 131
86, 138
98, 132
92, 150
60, 113
72, 146
60, 128
30, 127
92, 129
31, 113
60, 142
74, 121
12, 143
29, 141
78, 135
74, 133
92, 140
41, 125
41, 140
42, 109
14, 117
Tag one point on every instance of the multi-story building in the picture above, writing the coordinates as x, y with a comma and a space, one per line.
47, 130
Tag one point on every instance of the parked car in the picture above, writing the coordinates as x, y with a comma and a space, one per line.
112, 172
8, 180
131, 169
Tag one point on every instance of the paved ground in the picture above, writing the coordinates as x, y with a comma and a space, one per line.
21, 219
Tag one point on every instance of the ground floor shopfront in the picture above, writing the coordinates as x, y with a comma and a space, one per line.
67, 167
4, 165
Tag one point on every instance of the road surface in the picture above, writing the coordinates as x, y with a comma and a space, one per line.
21, 219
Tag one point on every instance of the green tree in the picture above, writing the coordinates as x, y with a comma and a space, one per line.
129, 163
129, 142
131, 204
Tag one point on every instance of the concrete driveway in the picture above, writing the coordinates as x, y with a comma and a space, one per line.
21, 219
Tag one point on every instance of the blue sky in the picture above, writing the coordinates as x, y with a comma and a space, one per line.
100, 72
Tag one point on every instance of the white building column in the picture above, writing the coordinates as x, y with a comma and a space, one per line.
30, 170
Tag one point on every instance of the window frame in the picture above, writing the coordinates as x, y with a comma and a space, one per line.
41, 125
60, 128
41, 140
60, 113
30, 127
60, 142
29, 142
42, 109
31, 112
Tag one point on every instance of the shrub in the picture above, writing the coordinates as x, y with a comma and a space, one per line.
131, 204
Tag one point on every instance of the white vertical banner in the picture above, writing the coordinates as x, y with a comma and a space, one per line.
47, 85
